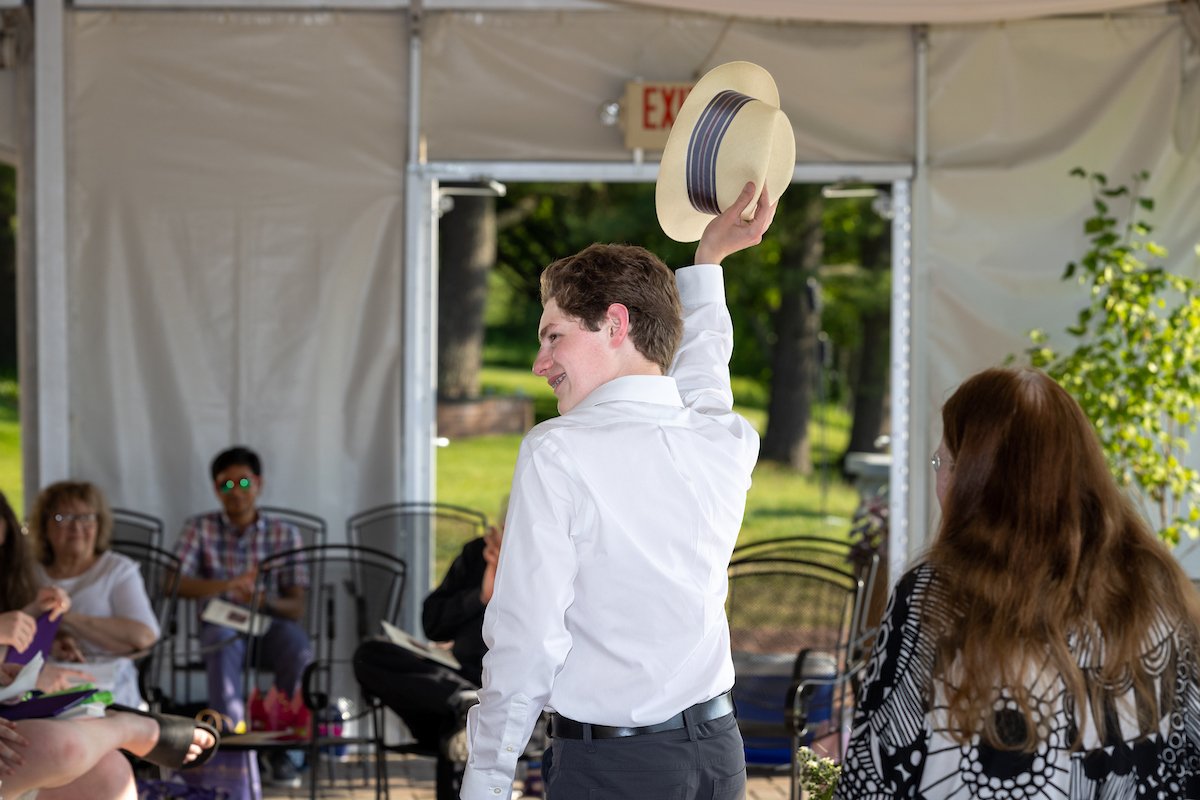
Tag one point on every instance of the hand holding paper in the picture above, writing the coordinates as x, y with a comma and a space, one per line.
54, 678
235, 617
40, 643
17, 630
425, 650
51, 599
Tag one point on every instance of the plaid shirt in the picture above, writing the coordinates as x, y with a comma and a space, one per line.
212, 547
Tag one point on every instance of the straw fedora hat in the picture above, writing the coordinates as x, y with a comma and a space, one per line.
728, 131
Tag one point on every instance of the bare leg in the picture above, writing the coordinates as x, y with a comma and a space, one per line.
112, 777
56, 753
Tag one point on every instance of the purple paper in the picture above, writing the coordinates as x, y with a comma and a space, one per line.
45, 705
42, 640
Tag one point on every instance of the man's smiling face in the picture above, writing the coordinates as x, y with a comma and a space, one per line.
572, 359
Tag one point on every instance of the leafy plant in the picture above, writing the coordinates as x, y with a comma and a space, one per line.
1134, 365
869, 530
818, 775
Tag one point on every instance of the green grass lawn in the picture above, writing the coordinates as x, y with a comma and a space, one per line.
10, 444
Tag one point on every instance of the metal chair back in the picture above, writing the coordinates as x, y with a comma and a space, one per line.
390, 527
795, 606
160, 573
134, 526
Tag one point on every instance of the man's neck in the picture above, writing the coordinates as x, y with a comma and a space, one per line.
636, 364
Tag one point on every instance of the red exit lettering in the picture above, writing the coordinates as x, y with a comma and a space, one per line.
660, 104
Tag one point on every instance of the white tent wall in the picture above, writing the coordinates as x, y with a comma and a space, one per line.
1012, 109
529, 85
236, 181
236, 227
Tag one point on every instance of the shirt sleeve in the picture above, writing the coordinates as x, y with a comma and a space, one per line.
129, 597
701, 367
297, 575
187, 550
525, 624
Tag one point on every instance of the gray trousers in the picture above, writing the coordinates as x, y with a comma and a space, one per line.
703, 761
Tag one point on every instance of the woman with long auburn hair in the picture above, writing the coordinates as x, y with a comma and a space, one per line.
1046, 646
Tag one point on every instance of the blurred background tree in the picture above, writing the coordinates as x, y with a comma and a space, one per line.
810, 305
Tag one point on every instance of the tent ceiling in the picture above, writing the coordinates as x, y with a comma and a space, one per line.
891, 11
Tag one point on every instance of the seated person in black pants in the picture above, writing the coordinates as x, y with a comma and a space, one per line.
427, 695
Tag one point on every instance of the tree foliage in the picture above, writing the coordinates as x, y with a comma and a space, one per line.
539, 223
1133, 368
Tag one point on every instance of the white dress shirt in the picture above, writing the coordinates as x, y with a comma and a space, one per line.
609, 603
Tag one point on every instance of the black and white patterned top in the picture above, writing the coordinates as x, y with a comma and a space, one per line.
900, 747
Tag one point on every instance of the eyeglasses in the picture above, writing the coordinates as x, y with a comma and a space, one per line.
67, 519
228, 486
936, 462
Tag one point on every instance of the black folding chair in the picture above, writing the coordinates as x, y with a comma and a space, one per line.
160, 573
361, 587
795, 609
134, 526
390, 527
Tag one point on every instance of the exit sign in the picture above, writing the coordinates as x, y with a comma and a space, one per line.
650, 110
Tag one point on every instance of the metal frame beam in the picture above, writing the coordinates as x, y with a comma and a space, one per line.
485, 6
45, 411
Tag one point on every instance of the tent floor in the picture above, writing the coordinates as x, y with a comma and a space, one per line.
411, 778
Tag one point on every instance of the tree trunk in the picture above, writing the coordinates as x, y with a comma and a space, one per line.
794, 360
870, 384
468, 252
869, 389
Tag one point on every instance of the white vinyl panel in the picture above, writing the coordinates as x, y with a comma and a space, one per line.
236, 200
529, 86
1005, 216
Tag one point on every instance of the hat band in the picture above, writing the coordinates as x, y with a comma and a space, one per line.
710, 129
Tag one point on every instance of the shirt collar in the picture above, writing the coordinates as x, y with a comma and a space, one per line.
258, 526
660, 389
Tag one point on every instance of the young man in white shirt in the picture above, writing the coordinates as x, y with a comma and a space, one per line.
609, 599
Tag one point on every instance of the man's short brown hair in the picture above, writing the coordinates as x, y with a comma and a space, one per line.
586, 284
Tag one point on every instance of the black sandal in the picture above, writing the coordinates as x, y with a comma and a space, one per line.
174, 738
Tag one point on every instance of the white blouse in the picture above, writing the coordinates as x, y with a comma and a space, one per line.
112, 587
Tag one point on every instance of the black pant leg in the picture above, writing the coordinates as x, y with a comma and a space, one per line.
416, 689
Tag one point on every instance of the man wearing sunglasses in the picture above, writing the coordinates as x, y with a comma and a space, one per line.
219, 553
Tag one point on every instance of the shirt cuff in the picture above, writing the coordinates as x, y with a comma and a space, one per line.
702, 283
484, 786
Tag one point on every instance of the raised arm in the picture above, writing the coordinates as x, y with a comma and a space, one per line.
701, 366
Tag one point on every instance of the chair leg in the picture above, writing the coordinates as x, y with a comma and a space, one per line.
794, 783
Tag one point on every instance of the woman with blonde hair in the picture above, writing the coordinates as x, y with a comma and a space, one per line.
1046, 646
111, 616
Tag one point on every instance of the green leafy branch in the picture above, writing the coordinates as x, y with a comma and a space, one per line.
1133, 369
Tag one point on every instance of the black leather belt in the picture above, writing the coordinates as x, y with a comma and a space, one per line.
719, 706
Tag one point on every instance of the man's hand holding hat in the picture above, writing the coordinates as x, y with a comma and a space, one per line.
730, 231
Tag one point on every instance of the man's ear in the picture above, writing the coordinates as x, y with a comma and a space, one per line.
616, 323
